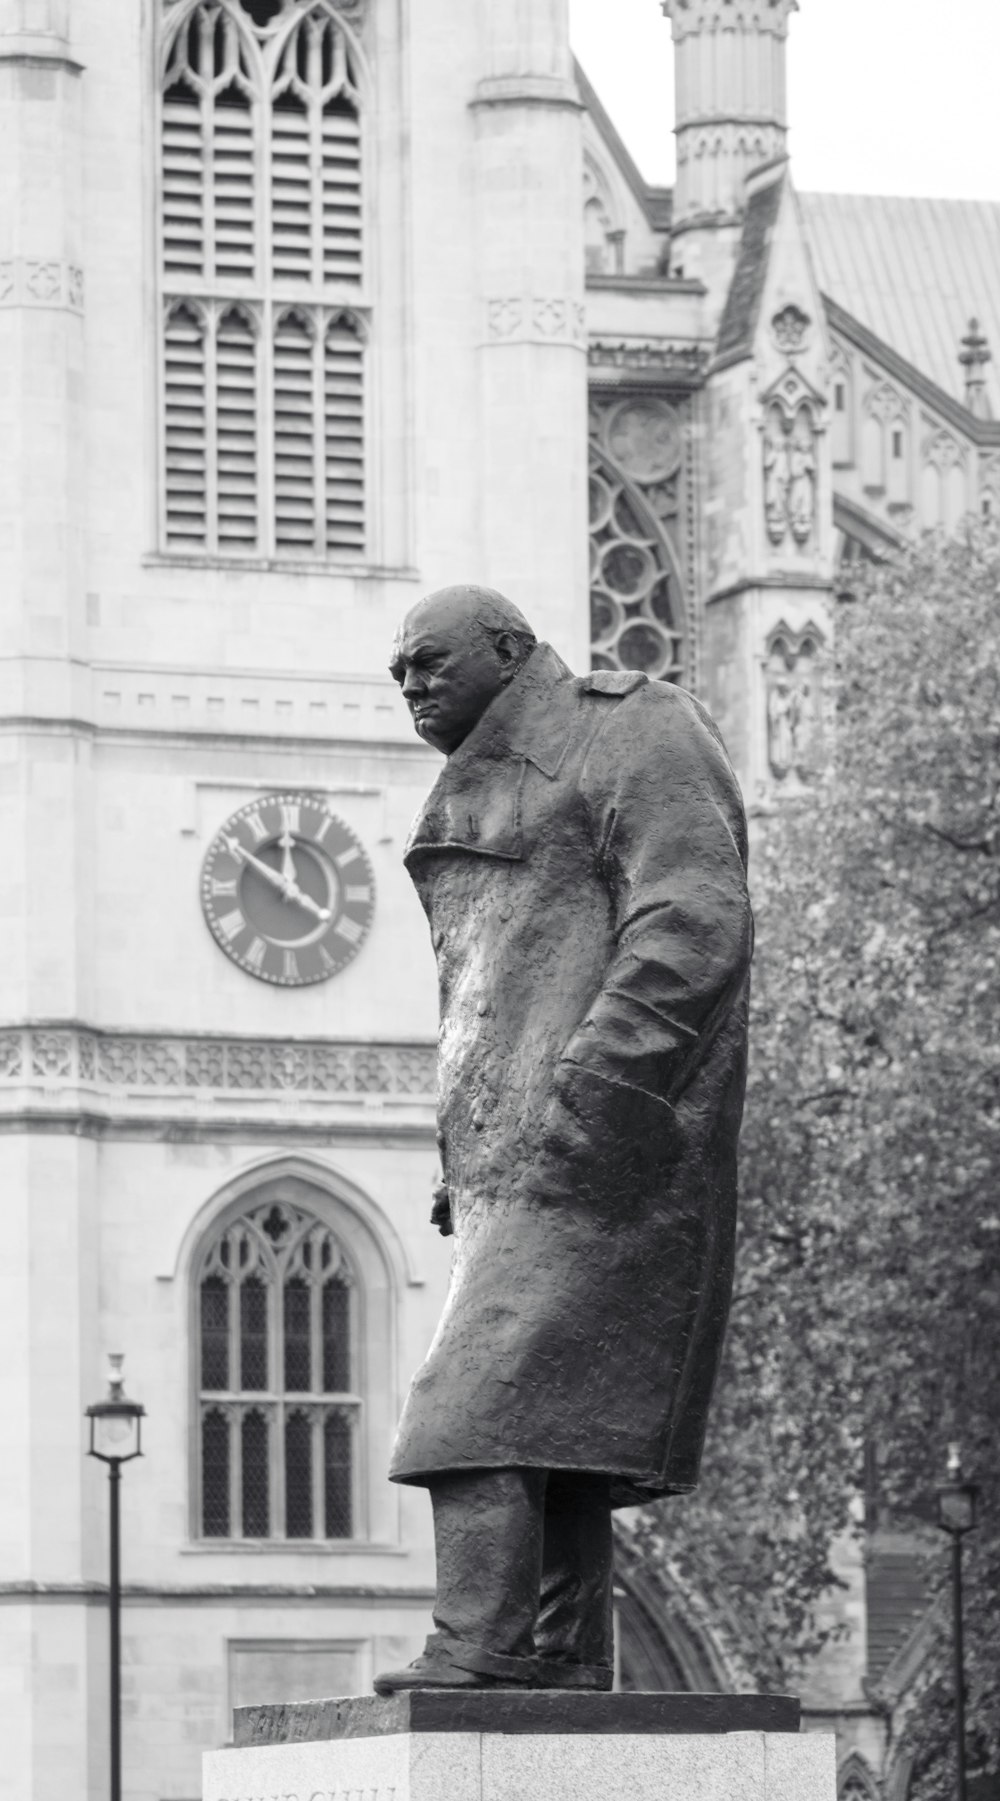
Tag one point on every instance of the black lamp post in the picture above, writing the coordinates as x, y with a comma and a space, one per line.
115, 1438
956, 1514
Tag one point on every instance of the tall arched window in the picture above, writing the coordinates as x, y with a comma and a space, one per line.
637, 609
277, 1388
263, 281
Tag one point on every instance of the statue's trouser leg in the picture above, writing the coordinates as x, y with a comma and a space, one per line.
488, 1537
575, 1623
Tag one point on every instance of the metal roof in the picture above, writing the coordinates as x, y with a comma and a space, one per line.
914, 272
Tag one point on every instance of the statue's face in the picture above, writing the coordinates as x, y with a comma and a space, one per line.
449, 669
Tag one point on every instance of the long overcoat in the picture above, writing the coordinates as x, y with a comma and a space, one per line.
582, 863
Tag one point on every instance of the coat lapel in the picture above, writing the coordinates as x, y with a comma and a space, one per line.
475, 804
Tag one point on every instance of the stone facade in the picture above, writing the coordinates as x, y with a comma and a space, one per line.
302, 307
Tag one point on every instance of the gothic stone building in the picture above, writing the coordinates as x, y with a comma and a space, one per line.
307, 307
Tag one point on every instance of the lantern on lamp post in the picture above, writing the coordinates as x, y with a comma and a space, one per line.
956, 1514
115, 1438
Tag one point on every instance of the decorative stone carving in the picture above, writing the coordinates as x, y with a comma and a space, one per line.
794, 702
790, 460
537, 319
504, 317
713, 15
33, 281
115, 1060
883, 402
789, 328
647, 356
942, 450
51, 1054
42, 280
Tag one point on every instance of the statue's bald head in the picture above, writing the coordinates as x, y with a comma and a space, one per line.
453, 653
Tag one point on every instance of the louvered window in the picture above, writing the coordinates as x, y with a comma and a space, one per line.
236, 428
265, 315
184, 408
294, 433
343, 402
278, 1415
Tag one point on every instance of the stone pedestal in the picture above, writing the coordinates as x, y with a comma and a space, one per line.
506, 1746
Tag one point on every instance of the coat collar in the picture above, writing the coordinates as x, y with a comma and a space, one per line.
475, 802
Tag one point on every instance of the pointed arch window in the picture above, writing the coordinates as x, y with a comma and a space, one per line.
262, 267
279, 1414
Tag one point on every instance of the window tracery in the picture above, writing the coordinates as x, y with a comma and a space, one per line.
636, 593
278, 1411
262, 268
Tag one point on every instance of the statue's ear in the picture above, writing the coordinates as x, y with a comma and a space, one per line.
509, 652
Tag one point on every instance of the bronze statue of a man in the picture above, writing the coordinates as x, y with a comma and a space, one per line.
582, 862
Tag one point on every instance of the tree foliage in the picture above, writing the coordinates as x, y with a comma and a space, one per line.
867, 1305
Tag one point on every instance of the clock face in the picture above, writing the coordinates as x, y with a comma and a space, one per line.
287, 890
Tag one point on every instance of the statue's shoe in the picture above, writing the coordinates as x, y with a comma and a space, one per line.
456, 1665
437, 1672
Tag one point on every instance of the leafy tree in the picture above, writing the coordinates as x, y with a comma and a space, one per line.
867, 1305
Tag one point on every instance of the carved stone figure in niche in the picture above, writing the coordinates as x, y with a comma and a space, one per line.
789, 454
777, 474
802, 477
591, 1065
794, 704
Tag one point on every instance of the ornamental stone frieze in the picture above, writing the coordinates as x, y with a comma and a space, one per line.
211, 1067
689, 17
614, 361
535, 319
41, 282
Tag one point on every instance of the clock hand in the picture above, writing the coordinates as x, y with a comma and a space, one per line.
287, 887
276, 879
295, 893
287, 860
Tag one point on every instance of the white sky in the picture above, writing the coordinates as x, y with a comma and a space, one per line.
885, 96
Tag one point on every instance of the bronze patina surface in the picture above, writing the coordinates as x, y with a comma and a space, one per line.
582, 864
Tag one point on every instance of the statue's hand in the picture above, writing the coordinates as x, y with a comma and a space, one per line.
441, 1211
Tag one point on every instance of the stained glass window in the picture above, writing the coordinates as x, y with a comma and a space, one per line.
278, 1411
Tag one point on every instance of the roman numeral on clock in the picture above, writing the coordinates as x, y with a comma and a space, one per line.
290, 815
231, 924
290, 967
348, 928
256, 953
255, 824
219, 887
